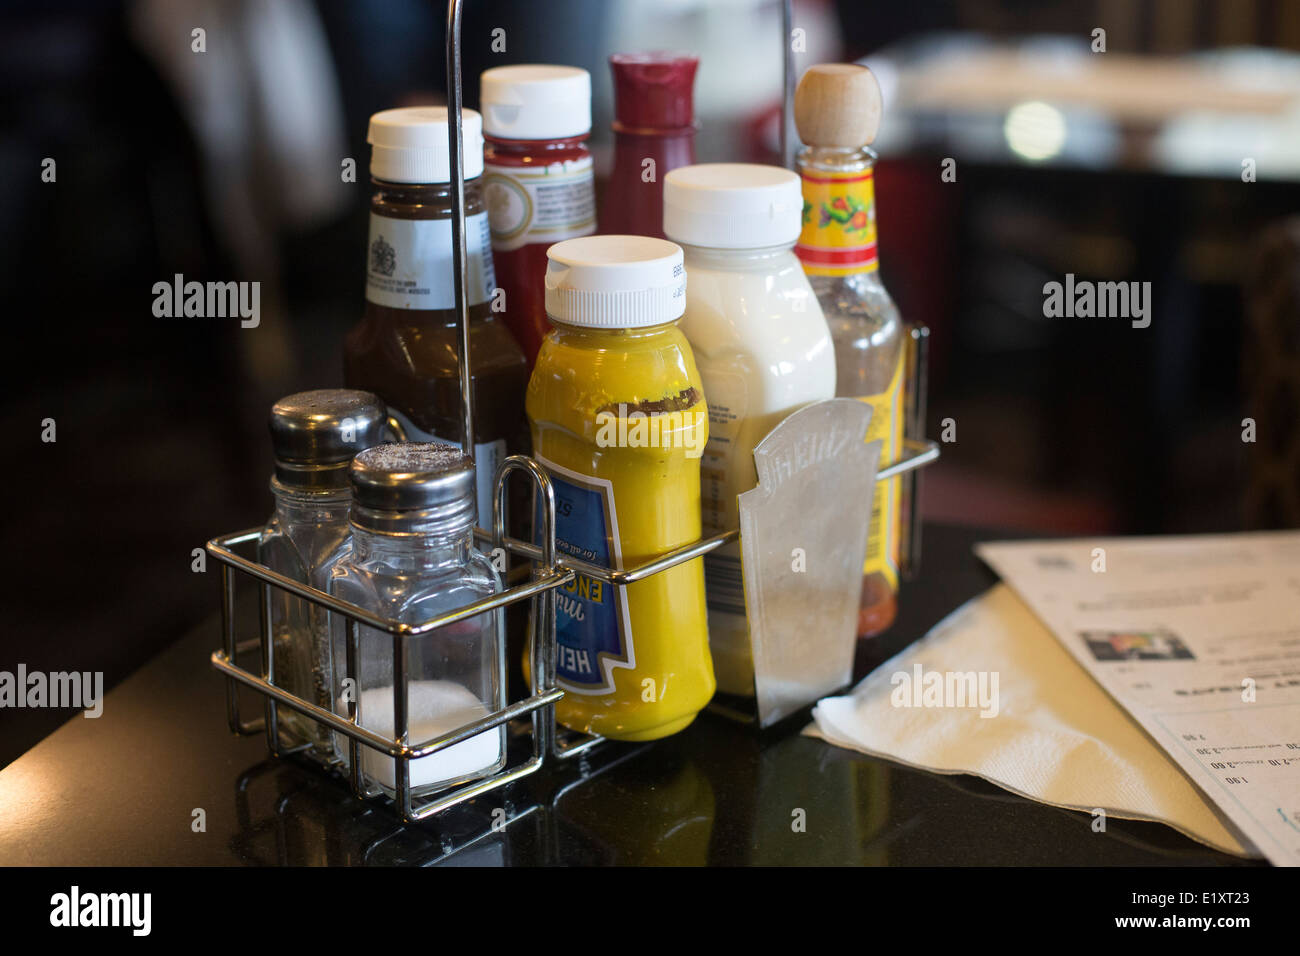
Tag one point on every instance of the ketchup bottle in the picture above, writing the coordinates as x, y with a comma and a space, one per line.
654, 126
537, 181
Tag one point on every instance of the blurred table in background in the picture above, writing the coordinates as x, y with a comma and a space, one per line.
1110, 167
1052, 100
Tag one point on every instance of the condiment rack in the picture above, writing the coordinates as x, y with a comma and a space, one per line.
534, 715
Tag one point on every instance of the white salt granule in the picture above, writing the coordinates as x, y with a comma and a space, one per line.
435, 708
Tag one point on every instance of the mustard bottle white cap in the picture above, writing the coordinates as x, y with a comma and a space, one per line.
535, 101
615, 282
409, 145
733, 205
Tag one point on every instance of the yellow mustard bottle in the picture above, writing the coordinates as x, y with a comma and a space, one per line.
619, 422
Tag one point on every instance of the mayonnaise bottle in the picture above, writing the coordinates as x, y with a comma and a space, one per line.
762, 347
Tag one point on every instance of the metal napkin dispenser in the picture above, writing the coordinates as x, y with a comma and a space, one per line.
803, 560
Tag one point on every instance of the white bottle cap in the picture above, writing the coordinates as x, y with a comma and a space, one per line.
409, 145
535, 102
733, 205
615, 282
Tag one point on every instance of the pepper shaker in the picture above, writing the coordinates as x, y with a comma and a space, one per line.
315, 436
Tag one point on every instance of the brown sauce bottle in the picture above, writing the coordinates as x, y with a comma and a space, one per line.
405, 347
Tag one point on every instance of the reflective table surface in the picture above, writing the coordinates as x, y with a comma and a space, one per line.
159, 779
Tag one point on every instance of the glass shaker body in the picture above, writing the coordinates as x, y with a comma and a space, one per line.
304, 534
314, 436
410, 572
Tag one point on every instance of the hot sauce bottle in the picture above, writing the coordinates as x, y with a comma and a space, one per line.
537, 181
405, 347
654, 127
837, 111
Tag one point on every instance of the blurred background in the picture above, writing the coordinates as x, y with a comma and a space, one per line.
1173, 157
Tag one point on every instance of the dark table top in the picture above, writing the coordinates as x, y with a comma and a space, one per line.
127, 788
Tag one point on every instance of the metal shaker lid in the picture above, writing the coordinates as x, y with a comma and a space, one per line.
408, 487
316, 434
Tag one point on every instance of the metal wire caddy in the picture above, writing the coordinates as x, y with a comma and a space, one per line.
535, 713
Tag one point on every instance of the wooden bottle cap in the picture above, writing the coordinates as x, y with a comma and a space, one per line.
837, 104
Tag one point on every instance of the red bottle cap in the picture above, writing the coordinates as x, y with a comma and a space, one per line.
653, 91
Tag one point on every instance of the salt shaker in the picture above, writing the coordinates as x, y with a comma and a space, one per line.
412, 557
314, 436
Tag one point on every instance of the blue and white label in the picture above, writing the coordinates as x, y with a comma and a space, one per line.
592, 626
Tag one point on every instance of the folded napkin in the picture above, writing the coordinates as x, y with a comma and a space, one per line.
1051, 734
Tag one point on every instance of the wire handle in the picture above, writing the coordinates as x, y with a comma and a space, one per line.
456, 165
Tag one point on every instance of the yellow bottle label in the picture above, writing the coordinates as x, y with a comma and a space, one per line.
884, 534
839, 223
